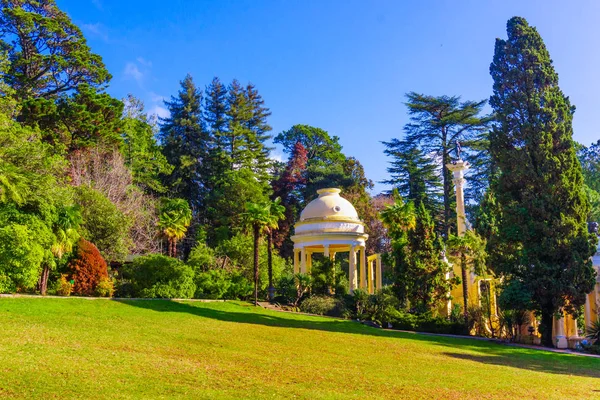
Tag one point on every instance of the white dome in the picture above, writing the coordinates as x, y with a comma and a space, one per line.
329, 205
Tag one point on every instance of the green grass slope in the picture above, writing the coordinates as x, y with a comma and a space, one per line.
102, 349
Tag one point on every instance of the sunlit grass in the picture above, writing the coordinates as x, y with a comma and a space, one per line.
78, 348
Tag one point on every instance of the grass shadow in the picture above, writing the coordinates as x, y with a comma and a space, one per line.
489, 352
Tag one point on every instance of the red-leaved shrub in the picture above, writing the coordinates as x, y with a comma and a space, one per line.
87, 269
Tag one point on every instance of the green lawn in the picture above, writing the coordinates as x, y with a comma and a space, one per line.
91, 349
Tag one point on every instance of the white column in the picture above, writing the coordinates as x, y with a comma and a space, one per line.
326, 250
296, 266
363, 267
588, 311
303, 260
561, 340
458, 169
308, 261
371, 273
352, 269
379, 273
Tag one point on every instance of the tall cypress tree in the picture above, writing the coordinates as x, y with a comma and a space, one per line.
185, 142
545, 243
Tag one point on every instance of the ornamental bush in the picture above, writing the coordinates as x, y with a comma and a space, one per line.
62, 287
105, 288
87, 269
158, 276
222, 284
324, 305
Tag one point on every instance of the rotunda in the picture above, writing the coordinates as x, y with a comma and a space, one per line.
329, 224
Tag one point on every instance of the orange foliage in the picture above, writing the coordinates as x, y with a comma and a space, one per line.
87, 268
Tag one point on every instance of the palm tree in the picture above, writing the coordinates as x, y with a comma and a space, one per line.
256, 218
66, 235
174, 218
276, 213
469, 252
399, 217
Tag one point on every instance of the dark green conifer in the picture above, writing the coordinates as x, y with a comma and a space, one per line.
545, 243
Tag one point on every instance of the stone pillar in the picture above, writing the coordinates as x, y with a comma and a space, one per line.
588, 310
560, 340
371, 272
352, 269
296, 266
308, 261
363, 268
303, 260
379, 284
326, 250
458, 169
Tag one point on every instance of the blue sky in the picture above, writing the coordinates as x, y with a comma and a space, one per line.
343, 66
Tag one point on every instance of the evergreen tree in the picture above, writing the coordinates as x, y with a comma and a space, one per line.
414, 174
239, 113
259, 132
185, 143
546, 245
49, 55
425, 268
437, 124
216, 120
140, 150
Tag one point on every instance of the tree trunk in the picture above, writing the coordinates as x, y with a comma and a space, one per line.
546, 328
174, 248
256, 242
44, 280
270, 263
465, 286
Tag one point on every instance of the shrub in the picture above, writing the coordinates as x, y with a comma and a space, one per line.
105, 287
240, 287
158, 276
323, 305
103, 223
238, 252
426, 323
62, 287
213, 284
87, 268
201, 258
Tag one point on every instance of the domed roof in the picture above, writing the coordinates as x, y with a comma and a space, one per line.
329, 204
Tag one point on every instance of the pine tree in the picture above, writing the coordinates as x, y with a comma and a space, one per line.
414, 174
185, 142
437, 124
216, 120
545, 243
259, 132
239, 113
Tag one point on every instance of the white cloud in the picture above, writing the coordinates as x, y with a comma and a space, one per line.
159, 111
276, 156
132, 71
95, 30
156, 98
144, 62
